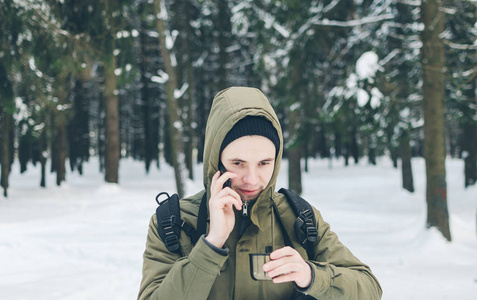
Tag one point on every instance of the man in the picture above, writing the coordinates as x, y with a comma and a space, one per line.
244, 135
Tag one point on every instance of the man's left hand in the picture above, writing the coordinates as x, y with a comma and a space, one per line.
287, 265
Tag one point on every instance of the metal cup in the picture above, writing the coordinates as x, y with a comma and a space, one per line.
257, 260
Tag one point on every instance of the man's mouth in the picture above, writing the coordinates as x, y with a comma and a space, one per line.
247, 192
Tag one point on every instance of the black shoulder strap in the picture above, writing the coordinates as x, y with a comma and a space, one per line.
305, 224
201, 219
286, 237
169, 222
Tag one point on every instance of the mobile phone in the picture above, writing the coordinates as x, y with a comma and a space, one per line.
222, 170
257, 260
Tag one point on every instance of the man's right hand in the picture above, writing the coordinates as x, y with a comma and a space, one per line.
221, 213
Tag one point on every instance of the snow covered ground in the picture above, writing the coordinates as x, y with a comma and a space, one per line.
84, 240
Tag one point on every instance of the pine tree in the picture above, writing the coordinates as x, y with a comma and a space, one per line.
462, 104
433, 62
6, 111
173, 109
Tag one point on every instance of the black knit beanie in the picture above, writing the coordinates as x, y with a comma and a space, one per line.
252, 125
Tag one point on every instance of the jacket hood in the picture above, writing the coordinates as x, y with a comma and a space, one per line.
230, 106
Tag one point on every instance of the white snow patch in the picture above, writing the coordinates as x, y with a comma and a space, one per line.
367, 65
86, 238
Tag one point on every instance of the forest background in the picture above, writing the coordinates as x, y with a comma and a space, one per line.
358, 79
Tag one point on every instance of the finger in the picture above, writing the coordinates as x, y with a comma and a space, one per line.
285, 278
284, 269
301, 275
232, 193
218, 181
213, 184
279, 263
282, 252
229, 192
226, 198
282, 256
226, 176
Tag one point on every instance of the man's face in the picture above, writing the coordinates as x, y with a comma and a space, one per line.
252, 158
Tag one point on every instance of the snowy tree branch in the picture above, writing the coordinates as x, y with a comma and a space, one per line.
353, 23
416, 3
460, 46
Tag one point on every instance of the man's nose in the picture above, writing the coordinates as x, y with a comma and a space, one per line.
251, 177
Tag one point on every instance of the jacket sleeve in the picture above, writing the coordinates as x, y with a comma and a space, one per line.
166, 275
337, 273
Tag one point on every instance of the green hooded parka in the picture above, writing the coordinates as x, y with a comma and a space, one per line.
203, 273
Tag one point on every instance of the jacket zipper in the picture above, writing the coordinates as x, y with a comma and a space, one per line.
245, 209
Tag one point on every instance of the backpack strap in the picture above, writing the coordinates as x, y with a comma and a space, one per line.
169, 222
286, 237
201, 220
300, 205
305, 224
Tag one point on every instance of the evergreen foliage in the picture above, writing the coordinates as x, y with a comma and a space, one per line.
344, 76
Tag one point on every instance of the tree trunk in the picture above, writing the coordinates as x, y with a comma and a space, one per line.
294, 154
190, 133
470, 159
223, 26
61, 141
173, 111
78, 127
7, 107
43, 147
53, 147
60, 136
406, 167
294, 170
371, 151
5, 149
354, 144
338, 143
111, 105
147, 115
24, 149
394, 149
394, 156
470, 138
190, 93
432, 58
147, 143
201, 117
101, 136
347, 152
294, 142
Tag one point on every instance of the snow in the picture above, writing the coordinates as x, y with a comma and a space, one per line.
376, 97
21, 112
270, 21
32, 65
354, 23
85, 239
367, 65
163, 15
162, 78
179, 93
362, 97
171, 38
